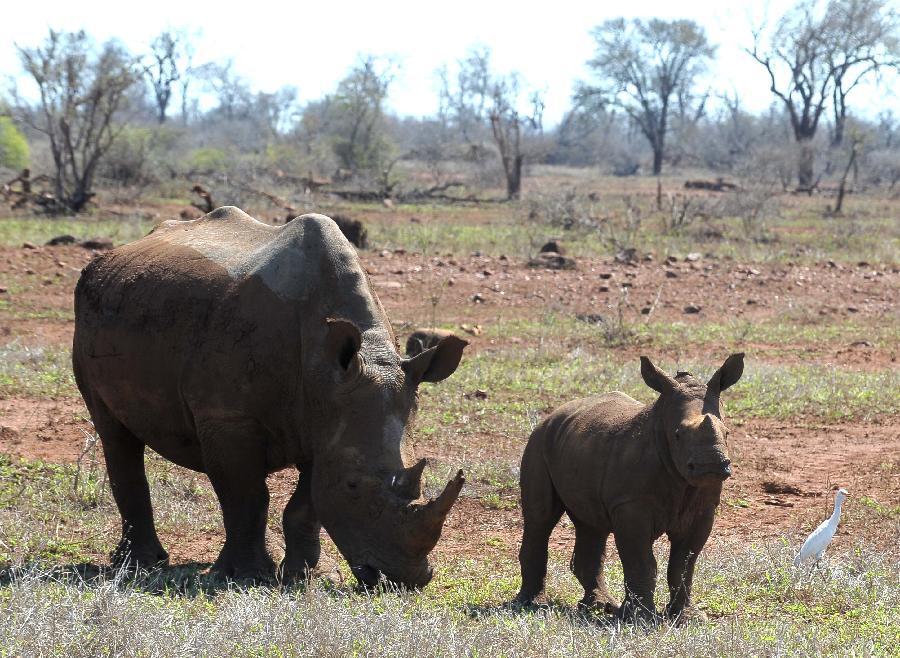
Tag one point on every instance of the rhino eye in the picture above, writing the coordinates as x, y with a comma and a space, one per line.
351, 484
678, 433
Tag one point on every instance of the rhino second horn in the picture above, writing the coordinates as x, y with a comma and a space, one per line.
409, 482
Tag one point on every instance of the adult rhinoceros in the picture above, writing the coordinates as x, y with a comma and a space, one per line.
236, 349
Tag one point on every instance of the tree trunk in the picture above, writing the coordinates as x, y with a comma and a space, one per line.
806, 159
514, 178
657, 159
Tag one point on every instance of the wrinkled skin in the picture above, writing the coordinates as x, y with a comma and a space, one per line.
636, 471
236, 349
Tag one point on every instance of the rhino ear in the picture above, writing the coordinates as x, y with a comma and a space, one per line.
342, 343
655, 378
437, 363
728, 374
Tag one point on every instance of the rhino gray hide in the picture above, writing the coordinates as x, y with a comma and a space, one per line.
236, 349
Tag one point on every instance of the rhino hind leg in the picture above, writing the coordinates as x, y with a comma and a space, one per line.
124, 455
541, 510
587, 566
301, 532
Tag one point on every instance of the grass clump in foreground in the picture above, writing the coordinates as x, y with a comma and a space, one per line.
758, 603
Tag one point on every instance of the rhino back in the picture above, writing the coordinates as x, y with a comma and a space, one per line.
598, 454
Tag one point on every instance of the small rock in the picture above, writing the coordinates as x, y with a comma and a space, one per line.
693, 308
478, 298
48, 282
852, 309
693, 256
392, 285
671, 274
605, 275
473, 329
487, 273
552, 247
3, 290
29, 271
451, 282
478, 394
97, 243
29, 245
751, 302
603, 288
861, 343
61, 239
671, 259
552, 261
387, 203
646, 310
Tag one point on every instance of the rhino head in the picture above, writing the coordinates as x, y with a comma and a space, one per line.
691, 419
366, 494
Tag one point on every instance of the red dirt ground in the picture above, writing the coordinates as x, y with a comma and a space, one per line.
783, 468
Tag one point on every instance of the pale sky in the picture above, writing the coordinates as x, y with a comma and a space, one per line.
311, 45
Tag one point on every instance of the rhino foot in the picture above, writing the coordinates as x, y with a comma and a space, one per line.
685, 615
631, 612
259, 569
131, 555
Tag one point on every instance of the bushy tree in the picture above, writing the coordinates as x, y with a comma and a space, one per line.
14, 151
648, 69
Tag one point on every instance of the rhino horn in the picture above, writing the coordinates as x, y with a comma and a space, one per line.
438, 508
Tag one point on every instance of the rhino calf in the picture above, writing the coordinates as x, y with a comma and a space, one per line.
637, 471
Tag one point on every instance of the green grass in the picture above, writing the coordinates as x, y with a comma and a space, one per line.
36, 371
37, 230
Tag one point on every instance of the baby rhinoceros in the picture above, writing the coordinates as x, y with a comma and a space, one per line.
637, 471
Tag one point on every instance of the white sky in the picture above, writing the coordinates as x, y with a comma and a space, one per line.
312, 44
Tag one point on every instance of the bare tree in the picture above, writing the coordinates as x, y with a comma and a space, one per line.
481, 98
81, 90
865, 39
164, 69
643, 66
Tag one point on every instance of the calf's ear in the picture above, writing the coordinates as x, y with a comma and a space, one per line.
728, 374
342, 342
655, 378
437, 363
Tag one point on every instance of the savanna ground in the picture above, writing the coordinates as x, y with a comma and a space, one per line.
811, 299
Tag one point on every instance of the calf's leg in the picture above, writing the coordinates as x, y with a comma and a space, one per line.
301, 531
634, 541
587, 565
680, 574
541, 511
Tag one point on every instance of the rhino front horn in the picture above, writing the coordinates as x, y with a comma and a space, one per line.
439, 508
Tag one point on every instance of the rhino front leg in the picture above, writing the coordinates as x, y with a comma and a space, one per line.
680, 574
238, 476
634, 542
301, 531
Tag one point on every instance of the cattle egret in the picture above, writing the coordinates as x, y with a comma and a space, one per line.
818, 541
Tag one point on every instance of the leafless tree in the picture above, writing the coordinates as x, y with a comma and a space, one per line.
81, 90
643, 66
865, 40
163, 69
481, 98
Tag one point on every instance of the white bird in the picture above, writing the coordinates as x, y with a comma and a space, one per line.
818, 541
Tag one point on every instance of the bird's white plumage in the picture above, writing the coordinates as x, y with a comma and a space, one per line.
818, 541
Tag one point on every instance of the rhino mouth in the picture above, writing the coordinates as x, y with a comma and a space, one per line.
717, 471
370, 576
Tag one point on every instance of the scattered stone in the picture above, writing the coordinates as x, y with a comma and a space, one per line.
48, 282
590, 318
862, 263
487, 273
648, 258
473, 329
61, 240
693, 257
628, 255
646, 310
603, 288
451, 282
553, 247
3, 290
671, 274
29, 245
852, 309
751, 302
605, 275
478, 394
861, 343
388, 203
392, 285
672, 259
693, 308
552, 261
29, 271
384, 253
98, 244
478, 298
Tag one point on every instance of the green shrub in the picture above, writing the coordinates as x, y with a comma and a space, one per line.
14, 152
